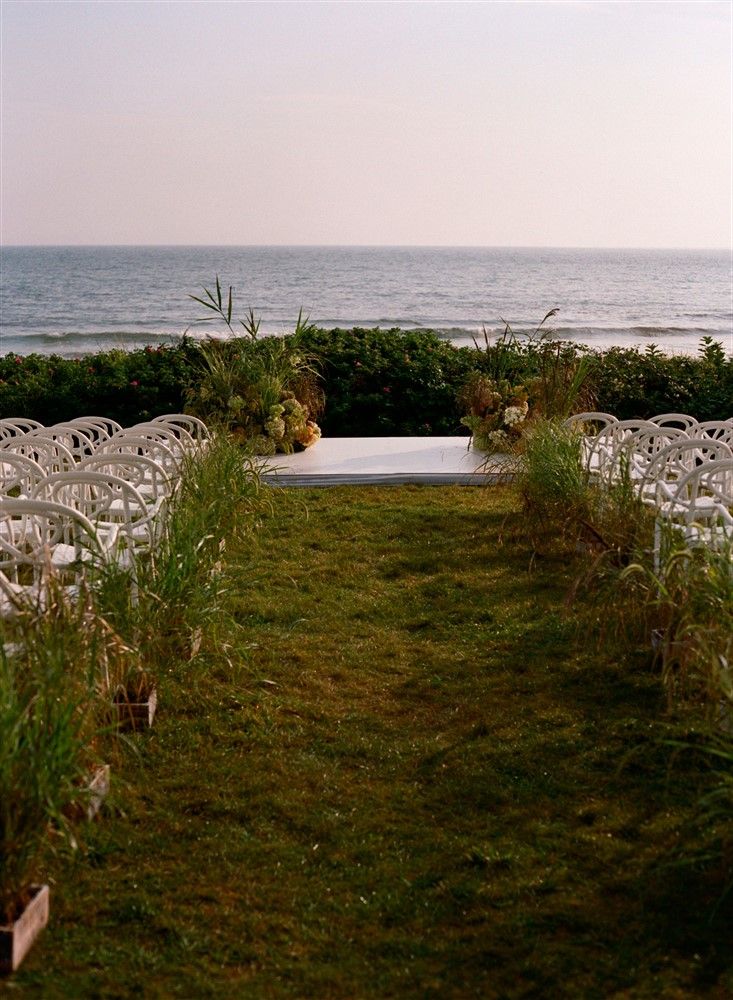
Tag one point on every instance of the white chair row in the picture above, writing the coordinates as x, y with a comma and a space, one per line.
21, 425
21, 474
59, 515
681, 468
42, 543
683, 421
72, 521
168, 441
607, 439
620, 447
85, 435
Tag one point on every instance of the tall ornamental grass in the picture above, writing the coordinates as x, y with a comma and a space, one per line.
688, 606
563, 504
180, 588
690, 601
60, 666
712, 823
50, 726
553, 484
680, 612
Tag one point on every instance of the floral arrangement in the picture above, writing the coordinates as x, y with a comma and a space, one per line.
265, 396
265, 392
497, 412
286, 429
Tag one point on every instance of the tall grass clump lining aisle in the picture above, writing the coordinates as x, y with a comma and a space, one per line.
659, 601
562, 503
554, 488
181, 587
64, 661
49, 731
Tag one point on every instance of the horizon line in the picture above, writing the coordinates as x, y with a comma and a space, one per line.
359, 246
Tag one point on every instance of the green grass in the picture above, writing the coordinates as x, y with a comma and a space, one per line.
397, 768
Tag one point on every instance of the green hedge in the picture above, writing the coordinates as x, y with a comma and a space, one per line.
395, 382
630, 383
377, 382
127, 386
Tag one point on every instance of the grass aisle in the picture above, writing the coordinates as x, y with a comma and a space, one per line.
409, 775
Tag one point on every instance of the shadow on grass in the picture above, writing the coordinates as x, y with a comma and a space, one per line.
409, 774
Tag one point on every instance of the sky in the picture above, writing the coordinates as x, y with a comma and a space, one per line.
457, 124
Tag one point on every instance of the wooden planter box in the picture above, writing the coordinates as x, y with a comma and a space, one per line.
16, 939
136, 715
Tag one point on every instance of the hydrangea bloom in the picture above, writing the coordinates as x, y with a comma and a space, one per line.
515, 414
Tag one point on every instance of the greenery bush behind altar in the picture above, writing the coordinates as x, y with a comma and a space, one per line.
376, 382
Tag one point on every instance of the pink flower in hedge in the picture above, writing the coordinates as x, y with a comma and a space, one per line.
18, 361
386, 389
135, 382
357, 364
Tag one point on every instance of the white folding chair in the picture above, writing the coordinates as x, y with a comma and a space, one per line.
589, 424
79, 443
673, 463
11, 427
155, 449
52, 455
601, 453
98, 429
18, 474
699, 507
593, 420
125, 524
718, 430
196, 429
40, 540
179, 443
635, 453
683, 420
176, 437
146, 475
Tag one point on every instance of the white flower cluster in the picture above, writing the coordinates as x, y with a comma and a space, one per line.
515, 414
499, 440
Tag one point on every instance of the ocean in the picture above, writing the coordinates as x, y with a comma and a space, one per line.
74, 300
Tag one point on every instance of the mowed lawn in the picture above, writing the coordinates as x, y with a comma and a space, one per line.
401, 768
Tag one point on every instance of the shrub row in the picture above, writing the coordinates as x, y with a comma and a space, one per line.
376, 382
128, 386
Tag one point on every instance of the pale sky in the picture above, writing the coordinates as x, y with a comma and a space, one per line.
493, 124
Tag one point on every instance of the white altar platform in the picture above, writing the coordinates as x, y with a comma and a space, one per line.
433, 461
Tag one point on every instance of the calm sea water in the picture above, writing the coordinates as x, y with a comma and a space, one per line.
72, 300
